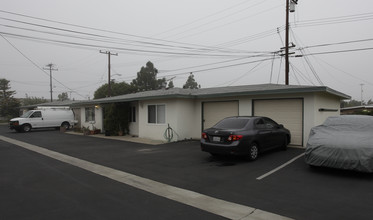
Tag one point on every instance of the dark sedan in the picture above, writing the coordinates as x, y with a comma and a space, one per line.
244, 135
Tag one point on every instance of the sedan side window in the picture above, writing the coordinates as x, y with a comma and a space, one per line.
270, 124
260, 124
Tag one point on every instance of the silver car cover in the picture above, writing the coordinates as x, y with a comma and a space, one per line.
343, 142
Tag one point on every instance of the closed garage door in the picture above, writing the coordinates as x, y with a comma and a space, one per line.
215, 111
288, 112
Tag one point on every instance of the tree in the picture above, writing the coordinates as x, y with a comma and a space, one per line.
171, 85
63, 96
191, 83
351, 103
121, 88
147, 79
8, 104
116, 118
33, 100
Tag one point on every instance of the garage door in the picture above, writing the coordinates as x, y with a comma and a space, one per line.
288, 112
215, 111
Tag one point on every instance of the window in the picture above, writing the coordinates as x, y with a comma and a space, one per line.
260, 124
89, 114
157, 114
232, 123
132, 114
36, 115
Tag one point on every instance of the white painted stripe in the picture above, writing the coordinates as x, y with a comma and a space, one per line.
216, 206
280, 167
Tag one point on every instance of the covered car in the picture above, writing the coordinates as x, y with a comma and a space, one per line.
245, 136
343, 142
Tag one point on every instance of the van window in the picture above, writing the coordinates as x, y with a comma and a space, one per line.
36, 115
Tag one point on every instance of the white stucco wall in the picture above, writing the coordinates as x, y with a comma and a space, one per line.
327, 102
181, 116
98, 118
134, 126
312, 116
185, 115
151, 131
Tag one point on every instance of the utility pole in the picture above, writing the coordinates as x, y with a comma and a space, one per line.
50, 68
289, 8
361, 91
109, 74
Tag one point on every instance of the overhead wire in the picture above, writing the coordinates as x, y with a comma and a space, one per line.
217, 20
309, 63
37, 66
334, 20
148, 40
231, 43
203, 18
229, 23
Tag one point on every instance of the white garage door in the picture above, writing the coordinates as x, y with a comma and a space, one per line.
213, 112
288, 112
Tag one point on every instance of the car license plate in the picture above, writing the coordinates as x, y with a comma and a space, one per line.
216, 139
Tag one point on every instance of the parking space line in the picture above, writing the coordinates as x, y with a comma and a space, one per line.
280, 167
210, 204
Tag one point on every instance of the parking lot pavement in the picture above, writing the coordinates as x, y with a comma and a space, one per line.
295, 191
36, 187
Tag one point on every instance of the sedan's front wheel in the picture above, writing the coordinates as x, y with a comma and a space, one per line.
253, 151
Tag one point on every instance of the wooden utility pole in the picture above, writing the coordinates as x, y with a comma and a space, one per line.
289, 3
109, 71
50, 68
287, 44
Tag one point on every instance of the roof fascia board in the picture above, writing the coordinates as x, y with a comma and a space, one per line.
195, 94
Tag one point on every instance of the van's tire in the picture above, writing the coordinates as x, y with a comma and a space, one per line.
65, 125
26, 128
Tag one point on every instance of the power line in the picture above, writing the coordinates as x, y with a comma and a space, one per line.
33, 63
186, 45
336, 51
338, 43
203, 18
220, 67
124, 49
334, 20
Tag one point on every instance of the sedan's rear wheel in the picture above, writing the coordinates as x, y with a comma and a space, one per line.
253, 151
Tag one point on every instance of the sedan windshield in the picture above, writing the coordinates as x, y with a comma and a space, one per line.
232, 123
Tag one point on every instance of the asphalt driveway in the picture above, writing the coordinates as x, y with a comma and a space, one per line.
296, 191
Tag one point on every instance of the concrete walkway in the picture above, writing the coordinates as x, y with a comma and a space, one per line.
123, 138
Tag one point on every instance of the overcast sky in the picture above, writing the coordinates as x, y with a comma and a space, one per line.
224, 43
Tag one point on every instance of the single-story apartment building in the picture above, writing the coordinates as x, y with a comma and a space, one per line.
366, 109
189, 111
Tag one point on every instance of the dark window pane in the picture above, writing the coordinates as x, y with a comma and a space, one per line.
151, 114
232, 123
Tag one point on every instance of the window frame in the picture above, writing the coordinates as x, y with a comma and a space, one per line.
157, 114
132, 114
90, 114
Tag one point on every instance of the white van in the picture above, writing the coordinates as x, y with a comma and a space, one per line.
43, 118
